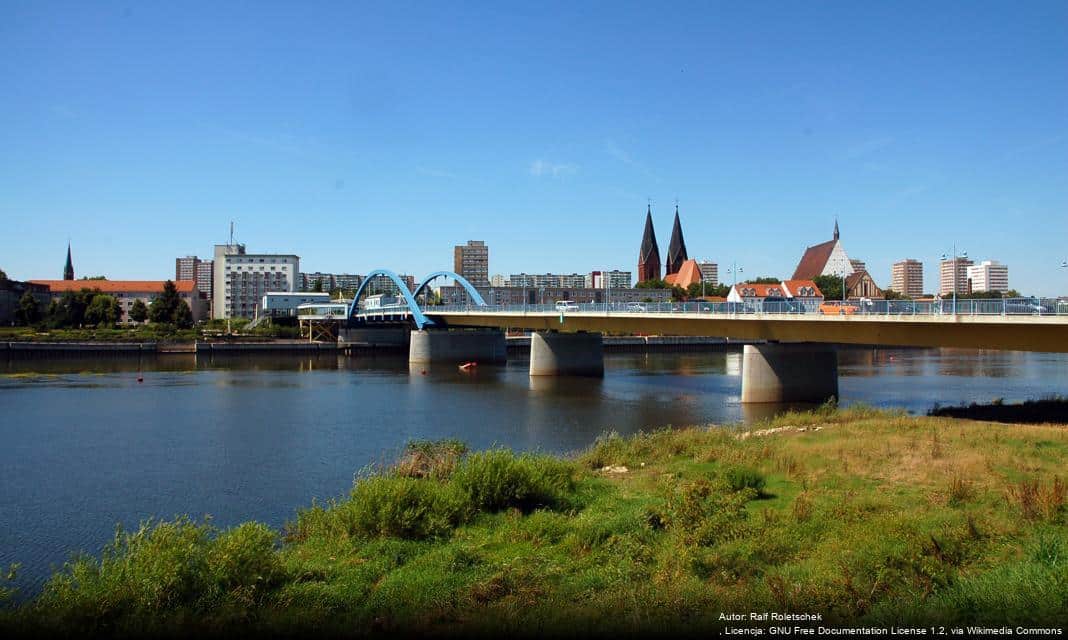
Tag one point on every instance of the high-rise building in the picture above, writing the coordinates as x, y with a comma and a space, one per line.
498, 280
954, 271
649, 254
547, 280
677, 247
989, 275
186, 268
68, 269
906, 277
240, 279
709, 272
472, 262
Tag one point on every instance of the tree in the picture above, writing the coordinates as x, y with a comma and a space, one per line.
3, 275
27, 312
183, 315
318, 286
652, 283
103, 310
94, 277
764, 280
831, 286
164, 308
138, 311
890, 294
710, 290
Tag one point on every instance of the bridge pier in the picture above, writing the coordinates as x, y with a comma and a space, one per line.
484, 346
566, 354
790, 372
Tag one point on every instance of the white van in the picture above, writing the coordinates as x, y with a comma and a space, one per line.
566, 305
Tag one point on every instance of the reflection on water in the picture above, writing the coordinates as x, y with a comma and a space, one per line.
257, 436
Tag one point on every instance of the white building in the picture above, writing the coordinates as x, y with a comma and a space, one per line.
241, 279
498, 281
616, 279
279, 303
989, 275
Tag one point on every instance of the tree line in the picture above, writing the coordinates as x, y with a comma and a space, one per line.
91, 307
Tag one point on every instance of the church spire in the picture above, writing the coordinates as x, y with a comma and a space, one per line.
649, 255
68, 270
677, 247
836, 227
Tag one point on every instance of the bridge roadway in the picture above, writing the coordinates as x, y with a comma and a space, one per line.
1047, 333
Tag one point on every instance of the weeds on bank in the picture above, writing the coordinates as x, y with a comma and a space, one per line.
871, 526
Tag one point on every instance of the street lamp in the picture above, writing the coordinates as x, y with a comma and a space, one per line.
963, 254
734, 271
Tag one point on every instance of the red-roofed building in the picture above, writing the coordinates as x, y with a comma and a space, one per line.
804, 292
127, 291
689, 273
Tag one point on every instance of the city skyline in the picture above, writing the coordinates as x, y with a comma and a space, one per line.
124, 130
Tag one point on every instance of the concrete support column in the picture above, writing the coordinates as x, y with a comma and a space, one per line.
374, 336
791, 372
566, 354
484, 346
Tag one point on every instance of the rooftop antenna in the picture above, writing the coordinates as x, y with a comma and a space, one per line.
231, 233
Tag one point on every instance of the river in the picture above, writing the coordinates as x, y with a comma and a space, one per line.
84, 445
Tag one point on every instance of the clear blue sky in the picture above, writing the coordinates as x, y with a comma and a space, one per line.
383, 134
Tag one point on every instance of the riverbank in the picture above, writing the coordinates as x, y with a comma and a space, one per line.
860, 516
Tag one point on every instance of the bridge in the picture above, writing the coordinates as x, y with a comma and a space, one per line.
797, 363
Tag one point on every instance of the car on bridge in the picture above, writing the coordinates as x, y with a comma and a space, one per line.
636, 306
838, 308
567, 305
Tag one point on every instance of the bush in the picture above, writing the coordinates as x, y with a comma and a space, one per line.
739, 478
499, 479
435, 459
704, 515
409, 508
164, 566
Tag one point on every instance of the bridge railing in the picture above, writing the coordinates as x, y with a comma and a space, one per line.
944, 307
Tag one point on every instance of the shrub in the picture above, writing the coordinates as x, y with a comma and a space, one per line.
1037, 501
499, 479
739, 478
242, 562
408, 508
704, 514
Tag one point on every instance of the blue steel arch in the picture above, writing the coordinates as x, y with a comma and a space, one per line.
413, 306
470, 288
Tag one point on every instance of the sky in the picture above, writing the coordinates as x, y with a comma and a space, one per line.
365, 135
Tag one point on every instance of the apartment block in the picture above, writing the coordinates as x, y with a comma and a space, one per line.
906, 277
953, 276
241, 279
989, 275
472, 262
709, 272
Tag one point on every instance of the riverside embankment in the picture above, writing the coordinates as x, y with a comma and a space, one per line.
863, 517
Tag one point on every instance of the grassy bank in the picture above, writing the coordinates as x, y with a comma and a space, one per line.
861, 516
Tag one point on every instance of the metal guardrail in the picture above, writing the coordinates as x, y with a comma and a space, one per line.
970, 307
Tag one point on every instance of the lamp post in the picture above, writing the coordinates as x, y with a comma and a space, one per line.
963, 254
734, 271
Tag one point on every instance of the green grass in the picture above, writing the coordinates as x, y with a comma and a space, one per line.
873, 518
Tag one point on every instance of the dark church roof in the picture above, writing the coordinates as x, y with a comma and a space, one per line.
650, 251
68, 270
814, 260
677, 247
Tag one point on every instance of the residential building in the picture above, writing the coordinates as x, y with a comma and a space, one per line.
455, 294
824, 259
129, 291
281, 304
649, 253
193, 268
472, 262
204, 275
347, 282
677, 247
498, 280
382, 284
576, 280
906, 277
241, 279
616, 279
989, 275
11, 292
709, 272
804, 292
186, 268
953, 276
